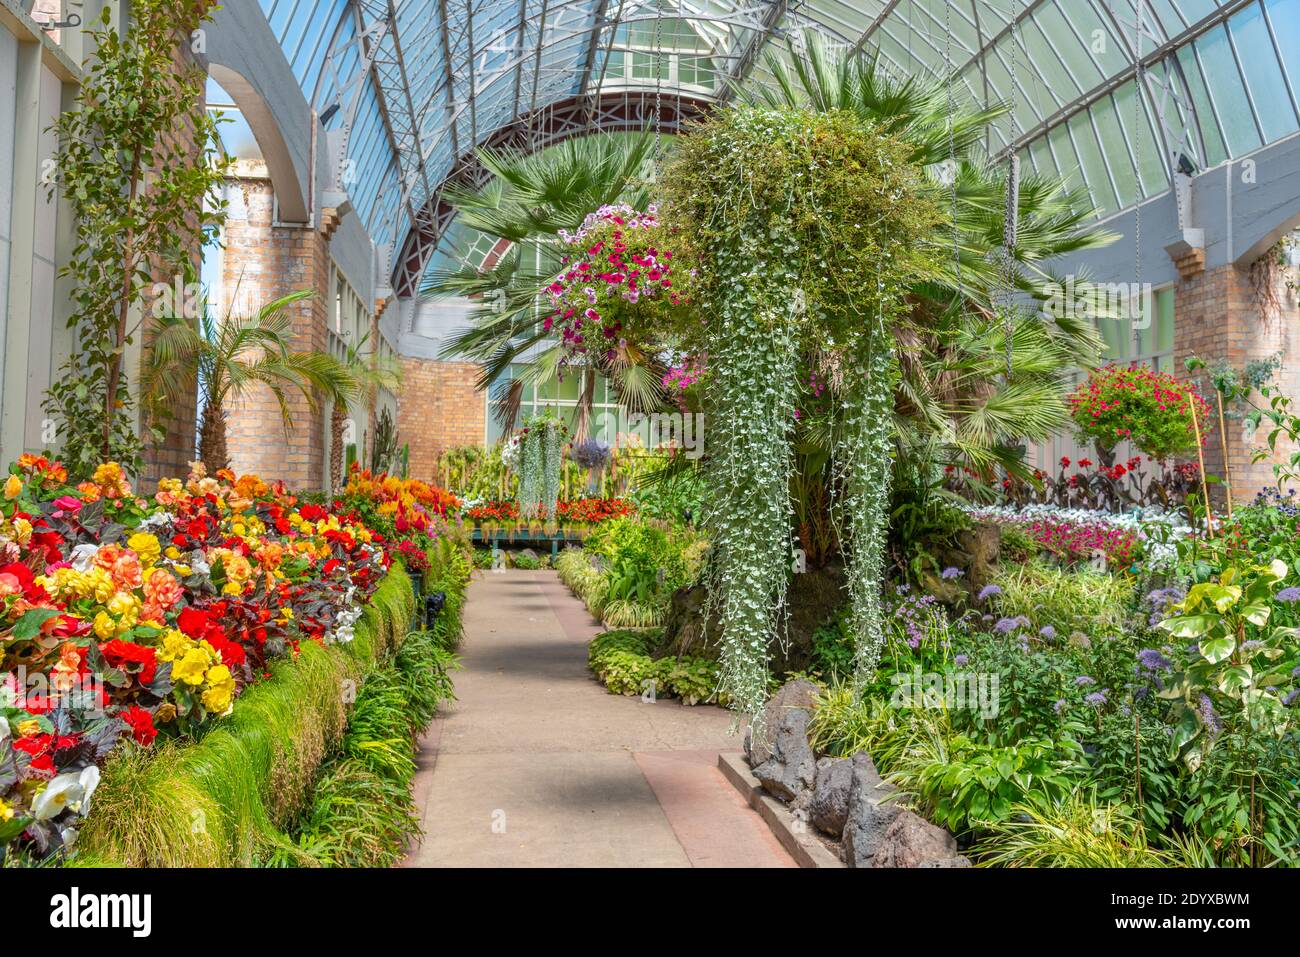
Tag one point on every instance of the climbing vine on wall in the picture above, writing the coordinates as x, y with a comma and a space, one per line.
541, 459
810, 226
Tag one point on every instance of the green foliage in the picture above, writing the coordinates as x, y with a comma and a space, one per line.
621, 661
1091, 603
361, 813
143, 198
832, 649
226, 357
645, 563
540, 461
784, 245
1079, 831
1236, 668
961, 782
1015, 545
672, 497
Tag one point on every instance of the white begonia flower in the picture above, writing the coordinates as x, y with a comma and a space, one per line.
83, 557
64, 792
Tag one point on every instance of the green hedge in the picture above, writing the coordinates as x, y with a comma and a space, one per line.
361, 813
224, 800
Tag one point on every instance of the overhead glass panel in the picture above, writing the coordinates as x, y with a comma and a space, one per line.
415, 96
1228, 92
1268, 91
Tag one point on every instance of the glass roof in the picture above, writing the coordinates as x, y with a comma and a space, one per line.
416, 85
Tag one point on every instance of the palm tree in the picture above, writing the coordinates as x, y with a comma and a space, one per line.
369, 372
225, 358
956, 397
529, 201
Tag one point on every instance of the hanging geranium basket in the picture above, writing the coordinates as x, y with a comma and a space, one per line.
1137, 404
623, 270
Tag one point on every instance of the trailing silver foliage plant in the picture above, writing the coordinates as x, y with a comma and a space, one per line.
864, 467
541, 452
811, 227
749, 466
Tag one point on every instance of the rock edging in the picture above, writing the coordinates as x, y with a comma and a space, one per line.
844, 798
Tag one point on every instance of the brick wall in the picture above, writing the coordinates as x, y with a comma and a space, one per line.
1217, 317
262, 263
439, 408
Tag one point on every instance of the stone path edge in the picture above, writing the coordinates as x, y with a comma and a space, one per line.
798, 841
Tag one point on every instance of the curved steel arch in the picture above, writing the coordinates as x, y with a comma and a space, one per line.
614, 111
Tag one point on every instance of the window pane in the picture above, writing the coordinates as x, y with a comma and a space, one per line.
1227, 91
1215, 150
1094, 167
1117, 147
1155, 175
1263, 74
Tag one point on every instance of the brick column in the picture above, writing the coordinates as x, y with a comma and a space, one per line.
1217, 317
264, 261
440, 407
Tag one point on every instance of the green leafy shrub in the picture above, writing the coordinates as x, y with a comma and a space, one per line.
621, 661
1016, 545
832, 650
960, 782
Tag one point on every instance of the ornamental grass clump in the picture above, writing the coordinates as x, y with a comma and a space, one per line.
809, 227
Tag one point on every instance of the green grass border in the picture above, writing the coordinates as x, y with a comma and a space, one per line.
222, 801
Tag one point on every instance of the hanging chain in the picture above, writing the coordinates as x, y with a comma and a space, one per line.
1137, 163
1011, 223
660, 68
952, 142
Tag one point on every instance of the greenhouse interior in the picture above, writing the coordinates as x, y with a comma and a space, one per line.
650, 433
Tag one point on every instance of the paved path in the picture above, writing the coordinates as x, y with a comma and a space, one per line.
536, 764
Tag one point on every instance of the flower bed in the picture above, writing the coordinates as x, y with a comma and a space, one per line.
147, 619
1142, 536
575, 517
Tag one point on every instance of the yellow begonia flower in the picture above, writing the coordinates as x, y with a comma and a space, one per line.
232, 588
22, 531
192, 667
221, 690
6, 812
29, 728
105, 627
172, 552
174, 645
13, 487
146, 546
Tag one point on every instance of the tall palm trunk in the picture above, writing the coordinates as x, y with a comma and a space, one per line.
213, 452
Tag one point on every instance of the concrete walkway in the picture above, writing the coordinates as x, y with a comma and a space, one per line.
536, 765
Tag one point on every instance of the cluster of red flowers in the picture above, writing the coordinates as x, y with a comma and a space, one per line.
578, 511
592, 511
1153, 410
412, 555
1116, 471
1083, 542
494, 512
